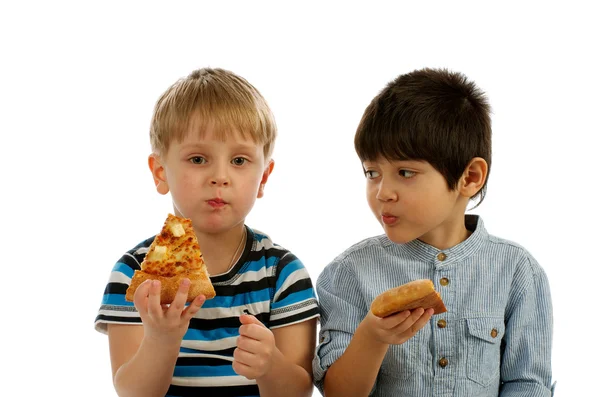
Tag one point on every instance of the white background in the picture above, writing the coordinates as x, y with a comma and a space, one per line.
78, 83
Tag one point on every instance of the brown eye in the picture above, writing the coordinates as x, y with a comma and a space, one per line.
197, 160
407, 174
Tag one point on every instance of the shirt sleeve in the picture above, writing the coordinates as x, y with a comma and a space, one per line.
114, 308
526, 361
294, 298
342, 310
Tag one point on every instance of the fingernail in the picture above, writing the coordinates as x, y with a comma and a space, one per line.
155, 283
185, 282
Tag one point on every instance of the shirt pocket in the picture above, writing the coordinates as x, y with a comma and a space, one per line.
484, 340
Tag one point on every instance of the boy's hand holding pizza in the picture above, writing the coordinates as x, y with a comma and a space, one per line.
166, 323
173, 272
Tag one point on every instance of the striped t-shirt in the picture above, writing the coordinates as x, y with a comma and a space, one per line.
268, 282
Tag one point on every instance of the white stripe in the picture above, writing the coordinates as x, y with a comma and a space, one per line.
299, 274
118, 313
212, 381
210, 313
224, 358
210, 345
248, 276
118, 277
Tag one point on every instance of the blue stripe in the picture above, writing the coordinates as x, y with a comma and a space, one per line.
238, 300
294, 298
115, 299
255, 266
123, 268
259, 237
289, 269
211, 335
204, 370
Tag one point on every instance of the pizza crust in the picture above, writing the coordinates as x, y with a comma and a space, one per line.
200, 285
409, 296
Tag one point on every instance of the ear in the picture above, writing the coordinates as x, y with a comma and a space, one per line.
473, 177
265, 177
158, 173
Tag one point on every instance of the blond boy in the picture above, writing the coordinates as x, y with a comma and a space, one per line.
212, 137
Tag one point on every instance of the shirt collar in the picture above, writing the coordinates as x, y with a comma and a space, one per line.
455, 254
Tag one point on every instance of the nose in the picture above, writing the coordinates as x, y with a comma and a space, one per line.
386, 193
220, 176
219, 181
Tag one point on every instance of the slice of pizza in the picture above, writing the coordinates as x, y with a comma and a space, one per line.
174, 255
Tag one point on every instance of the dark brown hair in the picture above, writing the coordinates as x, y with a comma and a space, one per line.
432, 115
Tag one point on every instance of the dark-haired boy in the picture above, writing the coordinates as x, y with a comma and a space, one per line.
425, 146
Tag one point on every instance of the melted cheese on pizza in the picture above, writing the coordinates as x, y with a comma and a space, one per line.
175, 251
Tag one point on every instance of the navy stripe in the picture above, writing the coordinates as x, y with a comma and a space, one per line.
223, 322
104, 317
130, 261
228, 391
300, 285
116, 288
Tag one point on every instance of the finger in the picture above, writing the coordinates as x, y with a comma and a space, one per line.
392, 321
243, 357
242, 369
154, 307
140, 297
248, 344
422, 321
250, 319
409, 322
178, 303
253, 331
193, 308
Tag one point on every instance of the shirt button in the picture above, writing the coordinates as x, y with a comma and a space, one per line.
441, 256
444, 281
441, 323
443, 362
494, 333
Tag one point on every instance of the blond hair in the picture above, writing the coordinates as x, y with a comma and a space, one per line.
217, 97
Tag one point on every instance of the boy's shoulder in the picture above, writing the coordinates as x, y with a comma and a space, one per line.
371, 246
517, 253
264, 243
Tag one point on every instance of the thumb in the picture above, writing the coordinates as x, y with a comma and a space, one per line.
250, 319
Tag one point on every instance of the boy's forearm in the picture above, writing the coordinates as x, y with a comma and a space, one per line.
355, 372
149, 372
287, 376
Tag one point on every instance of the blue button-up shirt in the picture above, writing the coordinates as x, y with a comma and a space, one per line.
494, 340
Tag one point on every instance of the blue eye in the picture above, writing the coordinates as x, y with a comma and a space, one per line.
407, 174
197, 160
238, 161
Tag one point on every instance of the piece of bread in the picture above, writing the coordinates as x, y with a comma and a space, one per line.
409, 296
174, 255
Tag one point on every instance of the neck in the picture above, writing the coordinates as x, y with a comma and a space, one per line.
222, 250
450, 232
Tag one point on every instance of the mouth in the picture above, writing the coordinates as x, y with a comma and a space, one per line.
216, 202
388, 219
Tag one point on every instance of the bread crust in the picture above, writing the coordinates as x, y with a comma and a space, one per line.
200, 285
409, 296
